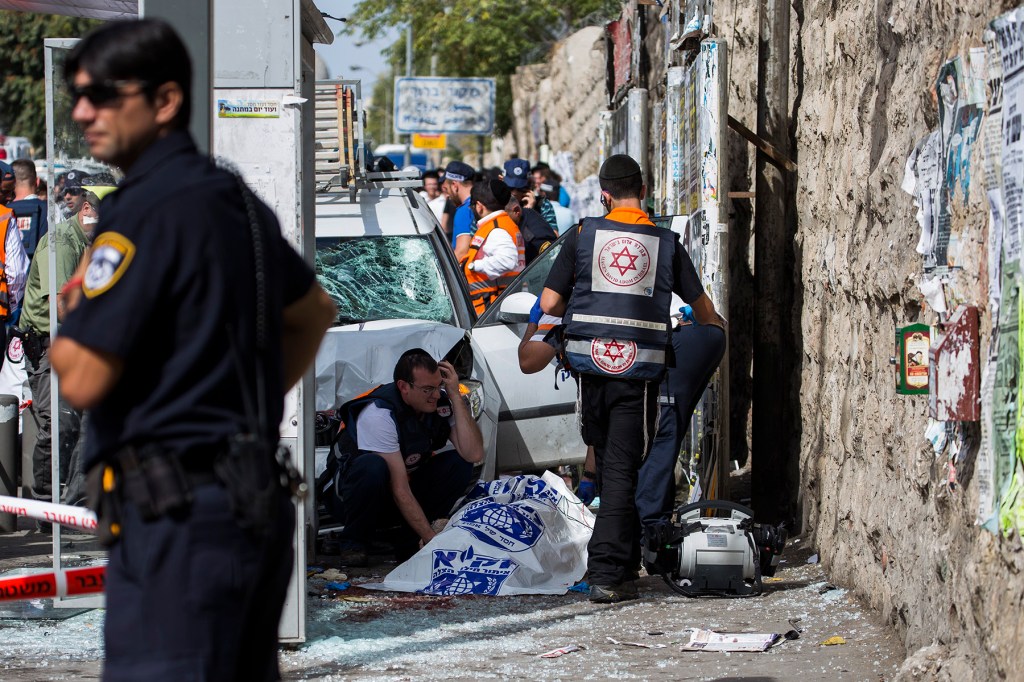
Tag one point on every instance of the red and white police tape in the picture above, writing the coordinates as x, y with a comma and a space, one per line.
67, 583
63, 514
72, 582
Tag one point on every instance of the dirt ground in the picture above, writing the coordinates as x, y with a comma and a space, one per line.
358, 634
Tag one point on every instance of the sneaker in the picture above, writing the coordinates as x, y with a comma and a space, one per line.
610, 594
353, 554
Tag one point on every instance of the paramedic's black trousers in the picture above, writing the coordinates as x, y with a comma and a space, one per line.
613, 416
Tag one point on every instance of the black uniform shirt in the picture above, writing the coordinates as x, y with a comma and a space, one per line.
171, 269
537, 233
562, 276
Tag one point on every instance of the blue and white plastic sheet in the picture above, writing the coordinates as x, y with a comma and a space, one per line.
520, 535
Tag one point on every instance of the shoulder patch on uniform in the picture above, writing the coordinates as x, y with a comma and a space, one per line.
112, 253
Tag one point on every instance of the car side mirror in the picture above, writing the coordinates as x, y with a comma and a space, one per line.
515, 309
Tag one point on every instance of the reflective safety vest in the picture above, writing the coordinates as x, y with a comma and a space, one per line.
419, 435
617, 320
32, 223
482, 289
6, 223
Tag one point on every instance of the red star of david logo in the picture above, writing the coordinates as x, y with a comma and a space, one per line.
613, 350
631, 265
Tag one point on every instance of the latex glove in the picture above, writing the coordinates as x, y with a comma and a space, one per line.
535, 312
687, 313
586, 491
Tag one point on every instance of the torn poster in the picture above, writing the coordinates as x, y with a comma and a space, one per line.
1004, 389
984, 473
992, 140
1011, 52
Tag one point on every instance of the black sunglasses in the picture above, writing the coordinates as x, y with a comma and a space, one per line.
104, 93
73, 191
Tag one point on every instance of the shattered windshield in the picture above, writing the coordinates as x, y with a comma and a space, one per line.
379, 278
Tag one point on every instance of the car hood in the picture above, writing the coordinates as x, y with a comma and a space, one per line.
355, 358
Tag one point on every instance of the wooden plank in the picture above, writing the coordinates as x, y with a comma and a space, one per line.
763, 145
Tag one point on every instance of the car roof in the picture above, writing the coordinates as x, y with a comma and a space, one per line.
383, 212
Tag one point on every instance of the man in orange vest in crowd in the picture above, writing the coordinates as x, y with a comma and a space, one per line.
13, 260
497, 252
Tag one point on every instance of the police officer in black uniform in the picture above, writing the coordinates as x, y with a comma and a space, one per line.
612, 283
162, 345
392, 469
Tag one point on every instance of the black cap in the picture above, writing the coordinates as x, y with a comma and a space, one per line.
74, 179
619, 166
457, 170
502, 193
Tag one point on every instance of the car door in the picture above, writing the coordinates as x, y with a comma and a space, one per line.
537, 426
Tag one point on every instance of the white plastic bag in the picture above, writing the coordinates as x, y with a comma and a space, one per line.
521, 535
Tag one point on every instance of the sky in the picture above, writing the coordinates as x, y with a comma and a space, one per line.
349, 56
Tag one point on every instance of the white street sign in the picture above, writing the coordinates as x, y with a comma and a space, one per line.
444, 105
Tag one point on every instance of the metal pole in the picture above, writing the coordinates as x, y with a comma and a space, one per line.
9, 456
408, 74
775, 452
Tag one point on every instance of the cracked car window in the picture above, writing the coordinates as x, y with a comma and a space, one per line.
381, 278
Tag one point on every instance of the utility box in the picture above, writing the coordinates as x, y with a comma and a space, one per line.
913, 346
954, 369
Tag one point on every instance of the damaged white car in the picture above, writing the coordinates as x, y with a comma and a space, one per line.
382, 257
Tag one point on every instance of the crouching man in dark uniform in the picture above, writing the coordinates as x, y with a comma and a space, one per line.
391, 471
184, 360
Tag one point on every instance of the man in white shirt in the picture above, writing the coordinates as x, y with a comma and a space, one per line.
394, 468
497, 253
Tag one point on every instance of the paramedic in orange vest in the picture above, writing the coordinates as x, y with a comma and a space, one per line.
497, 253
13, 260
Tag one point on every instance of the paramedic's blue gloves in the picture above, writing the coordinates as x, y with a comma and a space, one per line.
536, 312
687, 312
586, 491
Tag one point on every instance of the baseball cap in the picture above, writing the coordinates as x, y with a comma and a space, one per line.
6, 172
619, 166
517, 173
457, 170
74, 179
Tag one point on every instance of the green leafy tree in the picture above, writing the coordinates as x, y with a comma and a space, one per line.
22, 81
487, 38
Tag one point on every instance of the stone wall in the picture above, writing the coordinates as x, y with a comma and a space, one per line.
560, 102
873, 495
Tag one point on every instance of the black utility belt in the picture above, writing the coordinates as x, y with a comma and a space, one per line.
159, 482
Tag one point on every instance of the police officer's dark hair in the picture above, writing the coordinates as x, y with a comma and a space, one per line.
410, 360
147, 50
628, 187
493, 194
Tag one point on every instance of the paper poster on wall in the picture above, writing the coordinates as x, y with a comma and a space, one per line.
1011, 53
248, 108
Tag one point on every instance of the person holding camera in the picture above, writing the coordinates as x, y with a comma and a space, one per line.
392, 465
537, 233
184, 330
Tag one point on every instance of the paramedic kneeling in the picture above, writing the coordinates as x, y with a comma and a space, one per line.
392, 472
